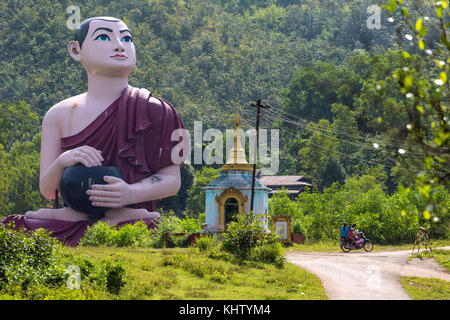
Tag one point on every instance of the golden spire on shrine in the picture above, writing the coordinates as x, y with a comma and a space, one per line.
237, 119
236, 159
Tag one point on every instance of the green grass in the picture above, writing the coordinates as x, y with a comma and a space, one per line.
426, 288
189, 274
334, 246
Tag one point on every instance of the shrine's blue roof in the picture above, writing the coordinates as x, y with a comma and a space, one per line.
235, 179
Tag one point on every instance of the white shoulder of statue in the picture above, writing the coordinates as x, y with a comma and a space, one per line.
57, 114
54, 113
67, 103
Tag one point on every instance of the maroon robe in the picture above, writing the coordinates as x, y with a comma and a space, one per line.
133, 134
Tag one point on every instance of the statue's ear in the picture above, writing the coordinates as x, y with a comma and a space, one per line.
74, 50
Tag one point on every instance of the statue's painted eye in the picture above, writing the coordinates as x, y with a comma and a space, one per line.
103, 37
127, 39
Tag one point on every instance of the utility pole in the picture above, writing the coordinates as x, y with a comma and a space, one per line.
258, 107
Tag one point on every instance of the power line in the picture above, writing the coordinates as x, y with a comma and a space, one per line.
421, 158
346, 155
346, 141
321, 129
318, 145
396, 143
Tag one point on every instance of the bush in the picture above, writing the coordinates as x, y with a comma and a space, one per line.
138, 234
169, 223
297, 227
384, 218
131, 235
114, 271
243, 235
33, 265
204, 243
99, 234
190, 225
88, 270
30, 258
247, 238
216, 253
281, 204
218, 277
177, 241
109, 274
269, 253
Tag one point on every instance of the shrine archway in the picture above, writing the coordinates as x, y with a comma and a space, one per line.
230, 201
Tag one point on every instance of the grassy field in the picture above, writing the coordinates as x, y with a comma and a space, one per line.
190, 274
334, 246
426, 289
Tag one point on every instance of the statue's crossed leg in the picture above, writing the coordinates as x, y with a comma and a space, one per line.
65, 214
112, 216
115, 216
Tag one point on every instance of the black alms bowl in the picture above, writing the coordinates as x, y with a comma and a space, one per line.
77, 179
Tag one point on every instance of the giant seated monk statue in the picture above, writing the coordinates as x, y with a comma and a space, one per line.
112, 124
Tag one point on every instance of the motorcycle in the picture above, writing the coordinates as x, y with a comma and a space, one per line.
360, 242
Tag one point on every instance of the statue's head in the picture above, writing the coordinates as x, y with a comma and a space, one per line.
104, 46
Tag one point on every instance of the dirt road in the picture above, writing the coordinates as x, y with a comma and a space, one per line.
366, 276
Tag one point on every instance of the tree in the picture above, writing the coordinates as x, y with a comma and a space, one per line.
330, 173
195, 204
313, 90
24, 192
5, 182
426, 87
178, 202
17, 123
314, 156
19, 160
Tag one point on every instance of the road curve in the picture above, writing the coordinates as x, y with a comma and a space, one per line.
366, 276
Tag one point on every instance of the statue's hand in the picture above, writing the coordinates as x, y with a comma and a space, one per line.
87, 155
115, 194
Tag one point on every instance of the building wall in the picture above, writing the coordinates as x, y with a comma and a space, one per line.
211, 207
261, 205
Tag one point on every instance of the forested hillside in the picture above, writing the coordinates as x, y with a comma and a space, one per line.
315, 62
200, 55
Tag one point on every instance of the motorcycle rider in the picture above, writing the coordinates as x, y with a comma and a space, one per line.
352, 235
344, 231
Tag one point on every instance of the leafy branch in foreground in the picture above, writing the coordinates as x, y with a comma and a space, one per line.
425, 86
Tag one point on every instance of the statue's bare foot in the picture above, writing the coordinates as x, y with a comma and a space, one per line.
117, 215
65, 214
